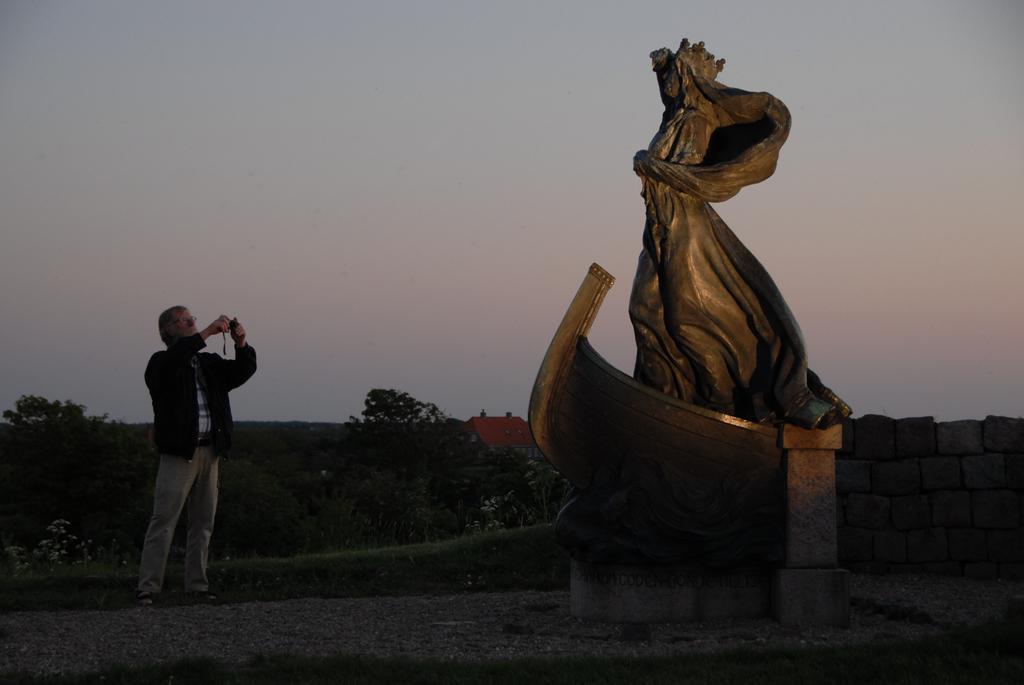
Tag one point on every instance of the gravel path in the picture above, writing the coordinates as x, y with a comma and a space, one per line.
465, 627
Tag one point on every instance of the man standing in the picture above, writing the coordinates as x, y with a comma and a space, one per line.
192, 428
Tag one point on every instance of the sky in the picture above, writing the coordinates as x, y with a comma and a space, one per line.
407, 194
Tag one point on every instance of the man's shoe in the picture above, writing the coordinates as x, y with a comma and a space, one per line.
204, 595
143, 598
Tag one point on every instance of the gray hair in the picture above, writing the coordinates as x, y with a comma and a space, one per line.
166, 317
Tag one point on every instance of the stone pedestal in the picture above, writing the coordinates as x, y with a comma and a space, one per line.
628, 593
811, 597
809, 462
810, 590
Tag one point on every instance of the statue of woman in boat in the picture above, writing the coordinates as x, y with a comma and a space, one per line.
712, 328
681, 463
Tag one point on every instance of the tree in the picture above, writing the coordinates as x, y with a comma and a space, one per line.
417, 448
399, 432
56, 462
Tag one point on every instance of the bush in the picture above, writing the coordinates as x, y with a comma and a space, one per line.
255, 514
58, 463
390, 509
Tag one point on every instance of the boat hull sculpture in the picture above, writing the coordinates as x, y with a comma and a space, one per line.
655, 478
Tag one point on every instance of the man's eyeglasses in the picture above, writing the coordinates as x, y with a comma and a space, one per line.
184, 319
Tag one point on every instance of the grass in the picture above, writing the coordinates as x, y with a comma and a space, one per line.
986, 654
519, 559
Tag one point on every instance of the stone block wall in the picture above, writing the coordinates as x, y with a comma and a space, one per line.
917, 496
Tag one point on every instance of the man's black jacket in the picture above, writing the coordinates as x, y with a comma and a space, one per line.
172, 385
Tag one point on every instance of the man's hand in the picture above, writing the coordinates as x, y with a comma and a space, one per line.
238, 333
220, 325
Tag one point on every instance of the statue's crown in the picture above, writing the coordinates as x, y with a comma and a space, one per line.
701, 62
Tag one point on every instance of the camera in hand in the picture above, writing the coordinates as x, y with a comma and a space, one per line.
233, 325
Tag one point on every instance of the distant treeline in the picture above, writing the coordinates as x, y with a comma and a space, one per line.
401, 472
310, 426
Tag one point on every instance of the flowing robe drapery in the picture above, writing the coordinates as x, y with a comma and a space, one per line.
711, 326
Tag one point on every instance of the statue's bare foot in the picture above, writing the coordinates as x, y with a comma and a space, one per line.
812, 413
841, 409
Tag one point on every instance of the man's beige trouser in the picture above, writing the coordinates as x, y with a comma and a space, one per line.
177, 481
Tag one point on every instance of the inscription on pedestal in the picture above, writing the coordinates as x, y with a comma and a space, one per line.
624, 593
687, 578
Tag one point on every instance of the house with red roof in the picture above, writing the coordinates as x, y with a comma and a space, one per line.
497, 432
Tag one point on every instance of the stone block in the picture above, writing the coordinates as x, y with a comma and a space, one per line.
927, 545
1015, 607
855, 544
840, 513
868, 511
940, 473
1006, 546
967, 544
890, 545
959, 437
877, 568
810, 508
854, 476
638, 593
915, 437
944, 568
896, 477
995, 508
982, 570
1013, 572
1014, 471
1004, 434
982, 471
846, 451
951, 508
793, 437
875, 438
906, 569
911, 511
811, 597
